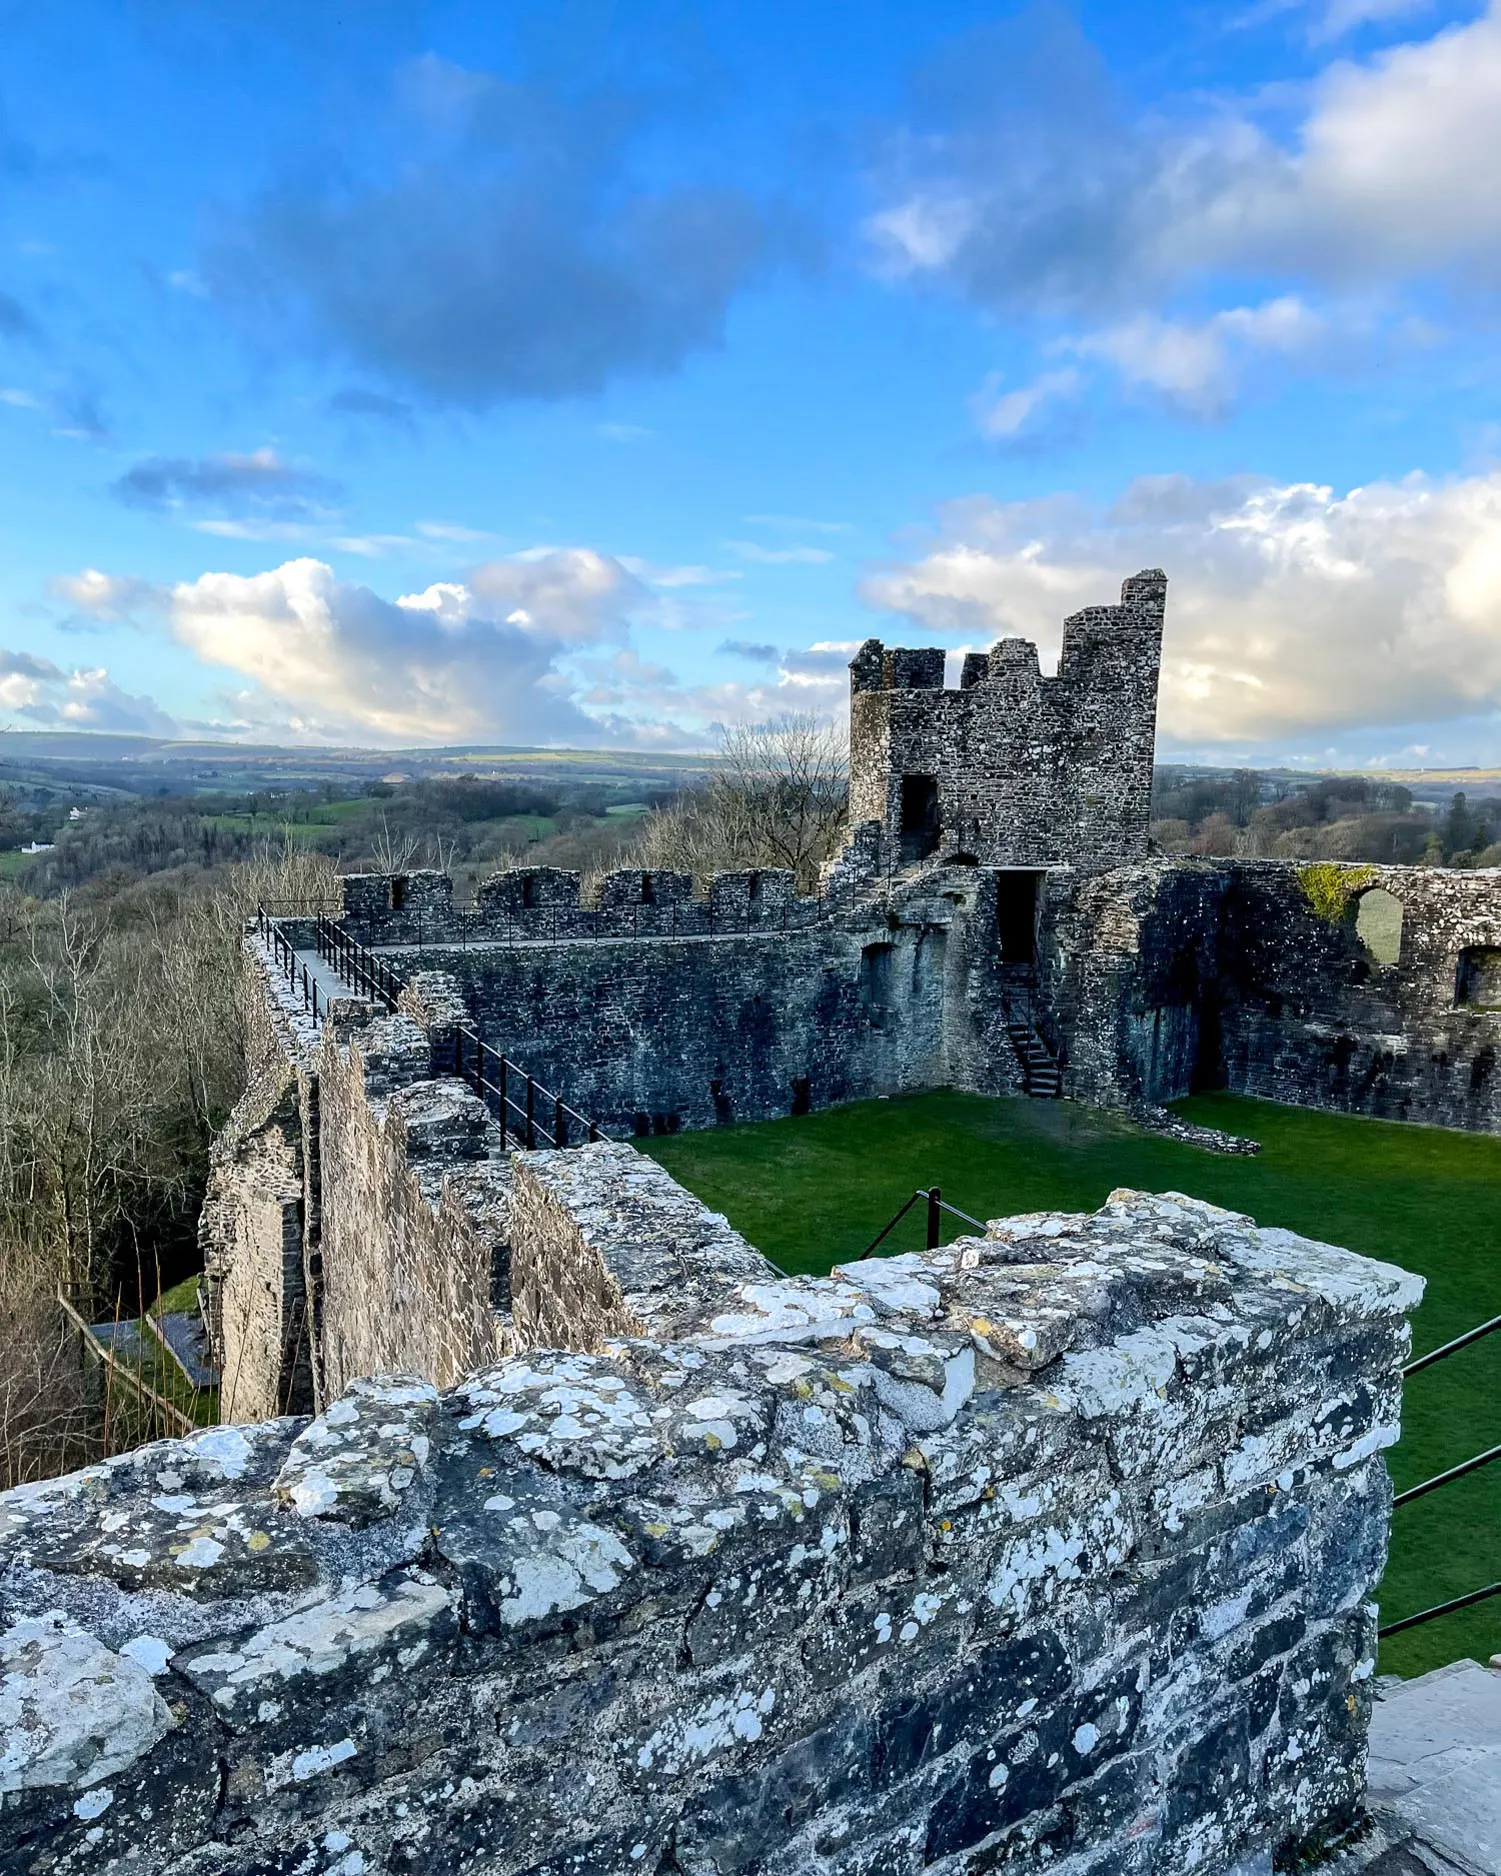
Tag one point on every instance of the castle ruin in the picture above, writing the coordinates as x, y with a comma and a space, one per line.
556, 1530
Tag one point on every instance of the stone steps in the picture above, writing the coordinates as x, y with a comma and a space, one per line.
1041, 1077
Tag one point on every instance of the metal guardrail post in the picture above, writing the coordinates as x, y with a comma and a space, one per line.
559, 1124
935, 1199
531, 1113
505, 1118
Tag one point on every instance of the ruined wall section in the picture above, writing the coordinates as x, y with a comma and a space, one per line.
1363, 989
1030, 1552
1127, 961
251, 1228
651, 1035
1316, 1011
1029, 771
416, 1212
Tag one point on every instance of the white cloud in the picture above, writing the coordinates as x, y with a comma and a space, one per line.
43, 695
1003, 414
532, 647
1291, 609
1195, 362
1030, 190
105, 597
1339, 17
451, 531
798, 524
457, 662
779, 556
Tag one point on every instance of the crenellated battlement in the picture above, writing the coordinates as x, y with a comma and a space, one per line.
1013, 768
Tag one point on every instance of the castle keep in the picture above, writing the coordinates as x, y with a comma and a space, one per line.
556, 1530
1014, 769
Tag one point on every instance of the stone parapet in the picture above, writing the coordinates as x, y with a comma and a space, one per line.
1052, 1548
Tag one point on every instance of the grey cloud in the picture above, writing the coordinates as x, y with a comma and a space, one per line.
15, 321
25, 664
259, 483
357, 403
818, 660
1025, 181
510, 256
753, 654
1020, 178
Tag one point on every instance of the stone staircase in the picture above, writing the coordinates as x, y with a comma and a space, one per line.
1041, 1078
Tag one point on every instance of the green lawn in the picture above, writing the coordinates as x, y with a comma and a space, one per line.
814, 1190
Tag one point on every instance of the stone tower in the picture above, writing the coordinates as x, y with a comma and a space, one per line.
1014, 769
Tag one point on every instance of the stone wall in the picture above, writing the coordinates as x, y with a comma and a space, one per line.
1175, 975
1051, 1549
251, 1228
1309, 1012
416, 1213
1013, 768
654, 1034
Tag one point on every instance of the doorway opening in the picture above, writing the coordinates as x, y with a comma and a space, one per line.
919, 833
1016, 900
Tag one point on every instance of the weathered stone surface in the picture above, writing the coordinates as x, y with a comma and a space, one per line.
1435, 1764
73, 1712
1019, 770
1025, 1552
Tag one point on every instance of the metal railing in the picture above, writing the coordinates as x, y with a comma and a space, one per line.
537, 1115
293, 969
932, 1197
1447, 1477
528, 1112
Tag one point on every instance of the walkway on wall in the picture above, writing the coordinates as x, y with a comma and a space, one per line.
528, 1112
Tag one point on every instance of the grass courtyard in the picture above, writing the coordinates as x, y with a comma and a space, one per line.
815, 1190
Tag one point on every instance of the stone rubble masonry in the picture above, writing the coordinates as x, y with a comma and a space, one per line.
1173, 975
1021, 770
416, 1211
251, 1228
1050, 1549
1148, 981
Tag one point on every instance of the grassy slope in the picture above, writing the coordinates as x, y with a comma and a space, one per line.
814, 1190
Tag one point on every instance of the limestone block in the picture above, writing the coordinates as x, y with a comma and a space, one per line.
72, 1712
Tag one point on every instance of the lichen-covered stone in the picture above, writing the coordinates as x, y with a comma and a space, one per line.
1049, 1548
72, 1712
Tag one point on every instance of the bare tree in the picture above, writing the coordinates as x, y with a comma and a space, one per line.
393, 851
776, 796
122, 1047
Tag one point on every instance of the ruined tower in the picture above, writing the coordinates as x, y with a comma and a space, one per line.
1014, 769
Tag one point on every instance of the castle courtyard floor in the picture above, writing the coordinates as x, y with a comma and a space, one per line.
815, 1190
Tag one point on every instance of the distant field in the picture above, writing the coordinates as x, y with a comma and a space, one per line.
812, 1191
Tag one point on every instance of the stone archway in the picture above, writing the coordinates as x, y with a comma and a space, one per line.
1378, 925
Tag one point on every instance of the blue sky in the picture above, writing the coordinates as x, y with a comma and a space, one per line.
591, 374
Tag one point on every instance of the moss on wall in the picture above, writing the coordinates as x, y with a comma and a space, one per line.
1329, 887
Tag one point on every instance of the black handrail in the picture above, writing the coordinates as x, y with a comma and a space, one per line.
936, 1203
1444, 1478
372, 977
1462, 1470
1451, 1348
1442, 1608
